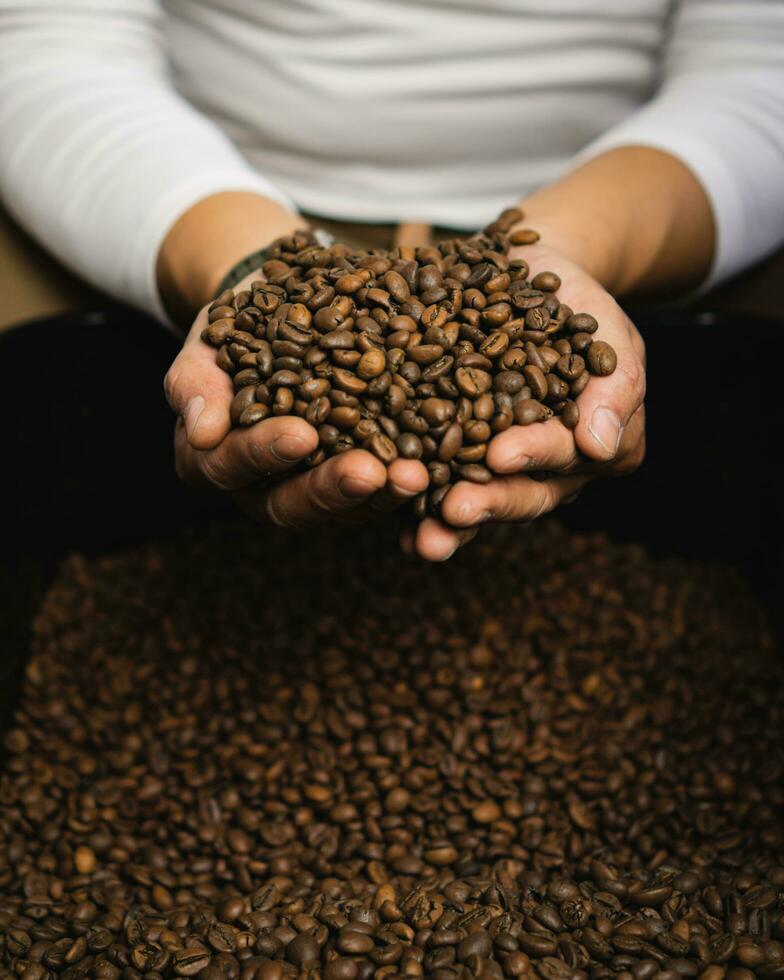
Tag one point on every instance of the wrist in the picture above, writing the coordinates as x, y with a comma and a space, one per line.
635, 218
211, 237
583, 238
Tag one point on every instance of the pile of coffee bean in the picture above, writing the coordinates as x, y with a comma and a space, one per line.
425, 353
552, 757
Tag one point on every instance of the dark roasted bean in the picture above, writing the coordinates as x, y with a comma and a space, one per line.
382, 447
600, 358
474, 473
387, 799
409, 445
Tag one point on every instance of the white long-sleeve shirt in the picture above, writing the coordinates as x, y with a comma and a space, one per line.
117, 115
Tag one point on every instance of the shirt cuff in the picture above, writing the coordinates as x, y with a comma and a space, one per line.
706, 163
141, 285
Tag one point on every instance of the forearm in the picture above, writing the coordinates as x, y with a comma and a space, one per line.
100, 154
635, 218
208, 239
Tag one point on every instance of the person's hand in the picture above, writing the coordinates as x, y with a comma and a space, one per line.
250, 463
609, 439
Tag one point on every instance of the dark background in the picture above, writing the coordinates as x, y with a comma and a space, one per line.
88, 460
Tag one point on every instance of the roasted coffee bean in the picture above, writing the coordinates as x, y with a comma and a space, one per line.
536, 381
495, 344
244, 398
577, 387
190, 961
570, 414
601, 358
510, 382
283, 402
475, 360
651, 897
406, 327
547, 281
451, 442
303, 948
537, 320
382, 447
476, 431
529, 410
570, 366
524, 236
474, 473
473, 381
409, 446
471, 454
557, 389
453, 776
255, 412
477, 943
582, 323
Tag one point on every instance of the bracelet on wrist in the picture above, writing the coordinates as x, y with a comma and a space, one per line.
256, 259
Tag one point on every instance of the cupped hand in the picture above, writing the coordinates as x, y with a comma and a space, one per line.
609, 439
251, 464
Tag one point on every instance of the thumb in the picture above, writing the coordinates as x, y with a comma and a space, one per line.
199, 391
608, 403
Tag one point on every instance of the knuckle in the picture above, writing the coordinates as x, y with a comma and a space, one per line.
500, 512
384, 502
321, 491
272, 511
506, 505
631, 460
634, 374
170, 386
638, 343
182, 471
214, 472
544, 500
467, 535
277, 513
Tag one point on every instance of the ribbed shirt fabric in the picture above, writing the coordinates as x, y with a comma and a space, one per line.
117, 115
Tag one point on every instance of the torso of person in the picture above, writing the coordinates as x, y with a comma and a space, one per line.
434, 110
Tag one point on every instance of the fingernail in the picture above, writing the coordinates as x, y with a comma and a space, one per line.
605, 427
407, 543
465, 512
352, 488
520, 462
449, 555
191, 415
288, 449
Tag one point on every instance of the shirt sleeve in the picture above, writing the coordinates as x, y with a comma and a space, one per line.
720, 110
99, 155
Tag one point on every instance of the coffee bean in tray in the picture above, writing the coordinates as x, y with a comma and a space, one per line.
553, 757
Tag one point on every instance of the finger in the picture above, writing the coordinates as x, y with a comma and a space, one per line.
405, 479
467, 535
333, 488
543, 446
507, 499
408, 541
607, 403
245, 455
435, 541
631, 451
199, 391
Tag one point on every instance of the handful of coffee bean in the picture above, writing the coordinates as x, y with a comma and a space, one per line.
422, 353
